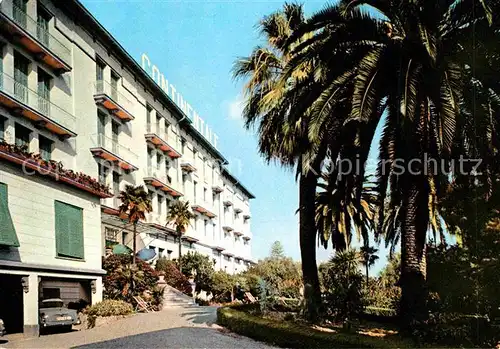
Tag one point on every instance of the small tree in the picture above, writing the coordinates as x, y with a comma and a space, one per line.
202, 265
180, 215
369, 257
135, 204
277, 250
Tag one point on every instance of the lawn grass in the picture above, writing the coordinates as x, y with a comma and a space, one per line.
293, 335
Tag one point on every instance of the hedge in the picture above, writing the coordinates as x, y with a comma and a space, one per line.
292, 335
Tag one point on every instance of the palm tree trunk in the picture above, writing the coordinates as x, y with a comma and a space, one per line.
413, 254
180, 252
307, 237
367, 277
134, 244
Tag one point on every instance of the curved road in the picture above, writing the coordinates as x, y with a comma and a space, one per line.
192, 327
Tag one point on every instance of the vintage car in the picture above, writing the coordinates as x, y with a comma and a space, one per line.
2, 328
53, 313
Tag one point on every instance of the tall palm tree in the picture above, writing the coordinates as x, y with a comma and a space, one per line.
416, 69
279, 140
135, 203
368, 259
180, 215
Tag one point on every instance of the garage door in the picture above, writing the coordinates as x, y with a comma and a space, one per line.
11, 302
68, 291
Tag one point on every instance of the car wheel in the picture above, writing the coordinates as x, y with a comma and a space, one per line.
67, 328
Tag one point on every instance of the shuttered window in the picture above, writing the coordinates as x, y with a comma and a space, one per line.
8, 236
69, 230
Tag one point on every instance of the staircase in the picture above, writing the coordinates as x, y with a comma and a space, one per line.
173, 298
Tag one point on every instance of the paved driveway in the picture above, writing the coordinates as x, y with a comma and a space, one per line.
174, 328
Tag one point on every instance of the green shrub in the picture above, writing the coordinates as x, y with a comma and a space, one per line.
173, 276
292, 335
222, 286
119, 273
110, 307
204, 267
107, 307
457, 330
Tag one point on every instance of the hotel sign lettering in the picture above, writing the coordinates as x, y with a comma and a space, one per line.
170, 90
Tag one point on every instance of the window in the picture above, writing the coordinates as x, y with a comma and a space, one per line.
69, 230
245, 242
114, 85
101, 126
160, 252
20, 12
8, 236
116, 183
195, 224
23, 136
158, 122
194, 191
43, 19
183, 146
99, 72
158, 161
115, 132
167, 127
213, 231
151, 247
125, 238
149, 111
21, 68
160, 204
205, 228
167, 170
195, 154
2, 128
103, 173
168, 204
184, 178
44, 81
150, 159
204, 160
204, 194
45, 146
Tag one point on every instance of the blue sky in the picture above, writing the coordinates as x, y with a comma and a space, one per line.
194, 43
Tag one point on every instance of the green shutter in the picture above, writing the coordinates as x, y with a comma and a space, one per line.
8, 236
69, 230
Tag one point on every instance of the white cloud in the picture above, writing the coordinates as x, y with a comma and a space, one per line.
235, 108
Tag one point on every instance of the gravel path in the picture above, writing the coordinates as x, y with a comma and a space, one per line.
174, 328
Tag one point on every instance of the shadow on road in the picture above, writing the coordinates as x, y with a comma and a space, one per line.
201, 315
181, 337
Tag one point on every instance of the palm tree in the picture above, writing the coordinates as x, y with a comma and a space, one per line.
412, 68
369, 257
268, 103
338, 212
136, 202
180, 215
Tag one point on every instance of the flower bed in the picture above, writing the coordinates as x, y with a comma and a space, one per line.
31, 161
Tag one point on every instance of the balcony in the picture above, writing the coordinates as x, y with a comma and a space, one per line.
218, 248
217, 189
161, 143
237, 210
247, 238
27, 103
227, 228
111, 150
203, 208
228, 201
246, 217
157, 180
26, 31
114, 101
188, 167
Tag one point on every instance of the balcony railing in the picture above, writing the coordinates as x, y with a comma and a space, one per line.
161, 140
155, 178
35, 31
111, 150
35, 107
113, 100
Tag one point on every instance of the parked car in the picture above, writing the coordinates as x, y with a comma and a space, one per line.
53, 313
2, 328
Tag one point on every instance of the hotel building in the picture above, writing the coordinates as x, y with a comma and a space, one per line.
79, 120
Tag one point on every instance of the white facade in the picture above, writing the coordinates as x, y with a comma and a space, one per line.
72, 94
